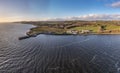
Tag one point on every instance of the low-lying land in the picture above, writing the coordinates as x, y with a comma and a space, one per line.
74, 27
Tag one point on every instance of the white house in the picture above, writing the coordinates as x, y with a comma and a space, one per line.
72, 32
85, 31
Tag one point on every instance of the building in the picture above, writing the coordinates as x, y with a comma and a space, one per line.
72, 32
85, 31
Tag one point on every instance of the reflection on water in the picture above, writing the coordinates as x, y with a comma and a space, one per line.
57, 54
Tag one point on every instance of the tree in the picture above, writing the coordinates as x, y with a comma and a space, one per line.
102, 28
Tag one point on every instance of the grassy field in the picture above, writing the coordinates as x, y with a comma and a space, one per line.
60, 27
46, 30
95, 29
113, 27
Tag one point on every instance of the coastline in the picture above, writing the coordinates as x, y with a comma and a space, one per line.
47, 33
92, 33
29, 35
72, 34
70, 28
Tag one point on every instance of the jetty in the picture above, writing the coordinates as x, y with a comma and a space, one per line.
27, 36
23, 37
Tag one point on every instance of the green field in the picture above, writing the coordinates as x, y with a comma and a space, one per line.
46, 30
61, 27
113, 27
93, 28
96, 28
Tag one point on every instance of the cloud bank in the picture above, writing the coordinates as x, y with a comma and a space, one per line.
116, 4
89, 17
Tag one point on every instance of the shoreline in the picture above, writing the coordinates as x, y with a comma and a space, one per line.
28, 35
74, 34
47, 33
51, 30
35, 35
97, 33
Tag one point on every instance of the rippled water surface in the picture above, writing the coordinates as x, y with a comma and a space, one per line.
57, 54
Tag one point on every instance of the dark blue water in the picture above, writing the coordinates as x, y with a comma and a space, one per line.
57, 54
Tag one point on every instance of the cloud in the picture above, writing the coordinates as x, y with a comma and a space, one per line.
89, 17
116, 4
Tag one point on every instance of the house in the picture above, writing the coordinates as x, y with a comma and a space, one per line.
72, 32
86, 31
75, 32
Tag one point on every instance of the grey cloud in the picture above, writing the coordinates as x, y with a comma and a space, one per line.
116, 4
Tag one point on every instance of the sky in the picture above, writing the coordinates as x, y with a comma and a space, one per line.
43, 10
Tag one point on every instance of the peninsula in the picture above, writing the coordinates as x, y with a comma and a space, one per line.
73, 27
